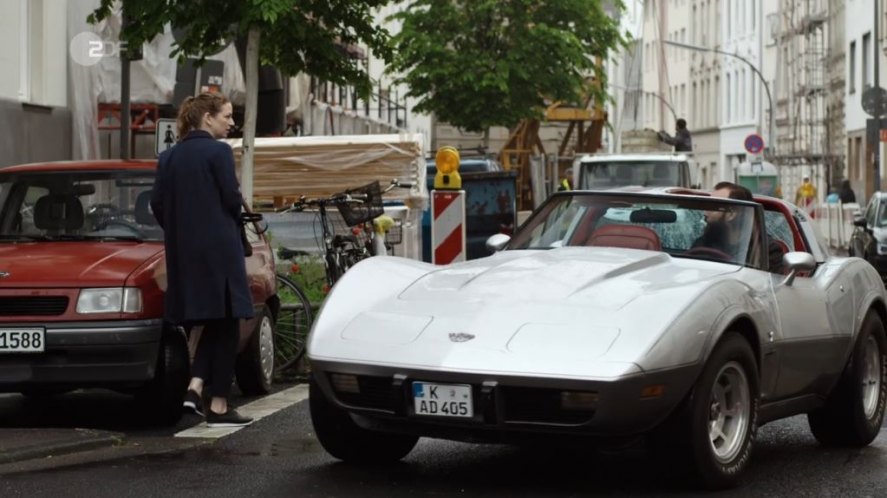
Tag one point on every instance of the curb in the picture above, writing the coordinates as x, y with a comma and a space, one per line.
86, 439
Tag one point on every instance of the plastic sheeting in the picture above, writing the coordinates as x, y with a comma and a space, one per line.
152, 79
320, 166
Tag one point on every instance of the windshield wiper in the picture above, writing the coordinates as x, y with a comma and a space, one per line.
131, 238
18, 237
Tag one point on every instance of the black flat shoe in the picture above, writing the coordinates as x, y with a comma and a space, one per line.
193, 403
228, 419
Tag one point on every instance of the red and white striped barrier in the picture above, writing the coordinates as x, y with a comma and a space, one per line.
447, 226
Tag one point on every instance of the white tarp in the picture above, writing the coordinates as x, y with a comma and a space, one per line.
321, 165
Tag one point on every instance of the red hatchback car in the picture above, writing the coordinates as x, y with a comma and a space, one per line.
82, 277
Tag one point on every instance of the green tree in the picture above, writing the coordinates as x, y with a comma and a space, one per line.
296, 36
482, 63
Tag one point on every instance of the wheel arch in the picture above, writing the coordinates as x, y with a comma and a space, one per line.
743, 325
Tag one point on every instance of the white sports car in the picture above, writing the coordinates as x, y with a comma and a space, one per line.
608, 315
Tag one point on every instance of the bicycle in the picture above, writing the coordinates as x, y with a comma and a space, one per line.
294, 315
294, 319
359, 207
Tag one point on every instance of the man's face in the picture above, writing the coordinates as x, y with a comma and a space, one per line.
714, 216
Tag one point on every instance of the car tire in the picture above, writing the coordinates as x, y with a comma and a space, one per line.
161, 399
342, 438
255, 364
707, 441
853, 412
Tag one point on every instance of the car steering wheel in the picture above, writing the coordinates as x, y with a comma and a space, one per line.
104, 210
120, 222
708, 252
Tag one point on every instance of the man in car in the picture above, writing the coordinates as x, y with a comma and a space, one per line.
718, 227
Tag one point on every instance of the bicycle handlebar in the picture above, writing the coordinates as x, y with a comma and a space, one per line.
337, 198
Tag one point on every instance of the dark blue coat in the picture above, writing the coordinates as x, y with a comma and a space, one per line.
197, 201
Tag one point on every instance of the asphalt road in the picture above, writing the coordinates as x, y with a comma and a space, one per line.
279, 456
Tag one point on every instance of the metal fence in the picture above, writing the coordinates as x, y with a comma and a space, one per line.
835, 222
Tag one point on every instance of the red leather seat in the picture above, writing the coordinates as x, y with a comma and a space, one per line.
627, 236
782, 245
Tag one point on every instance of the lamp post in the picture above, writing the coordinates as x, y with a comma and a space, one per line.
667, 104
753, 68
670, 108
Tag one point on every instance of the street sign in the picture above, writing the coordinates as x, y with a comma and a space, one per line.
754, 143
164, 135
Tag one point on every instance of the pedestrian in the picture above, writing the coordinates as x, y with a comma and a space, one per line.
566, 182
681, 140
805, 197
846, 193
198, 203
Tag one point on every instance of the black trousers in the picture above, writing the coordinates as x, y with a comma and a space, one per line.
216, 354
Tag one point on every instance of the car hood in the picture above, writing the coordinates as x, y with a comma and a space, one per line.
72, 264
600, 277
567, 312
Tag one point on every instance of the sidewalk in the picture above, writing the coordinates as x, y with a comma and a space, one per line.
17, 445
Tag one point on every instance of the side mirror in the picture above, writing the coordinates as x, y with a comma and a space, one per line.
797, 262
497, 242
859, 222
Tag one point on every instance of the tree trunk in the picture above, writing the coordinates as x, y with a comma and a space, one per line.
249, 119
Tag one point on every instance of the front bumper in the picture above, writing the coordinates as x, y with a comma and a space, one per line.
508, 408
85, 354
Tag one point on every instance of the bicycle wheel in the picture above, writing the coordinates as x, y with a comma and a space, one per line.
293, 324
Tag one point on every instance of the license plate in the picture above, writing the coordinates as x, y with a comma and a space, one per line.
22, 340
442, 400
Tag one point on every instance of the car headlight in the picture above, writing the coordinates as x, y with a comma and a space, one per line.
110, 300
882, 248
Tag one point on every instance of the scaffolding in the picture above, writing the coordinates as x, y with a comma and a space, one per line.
803, 95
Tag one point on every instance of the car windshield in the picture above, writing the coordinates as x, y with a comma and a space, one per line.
684, 226
881, 219
77, 205
603, 174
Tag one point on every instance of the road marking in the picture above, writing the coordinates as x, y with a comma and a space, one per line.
258, 410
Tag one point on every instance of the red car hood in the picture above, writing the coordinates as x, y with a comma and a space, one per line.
71, 264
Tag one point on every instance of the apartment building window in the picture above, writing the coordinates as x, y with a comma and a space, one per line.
683, 99
703, 20
729, 19
728, 95
694, 35
684, 40
851, 68
866, 54
703, 118
752, 18
753, 86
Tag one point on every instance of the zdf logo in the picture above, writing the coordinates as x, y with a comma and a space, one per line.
87, 48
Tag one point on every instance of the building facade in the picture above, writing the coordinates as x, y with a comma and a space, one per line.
705, 91
740, 117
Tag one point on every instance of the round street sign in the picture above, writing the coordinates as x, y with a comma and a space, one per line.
754, 143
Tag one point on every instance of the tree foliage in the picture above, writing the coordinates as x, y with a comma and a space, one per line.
482, 63
297, 35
